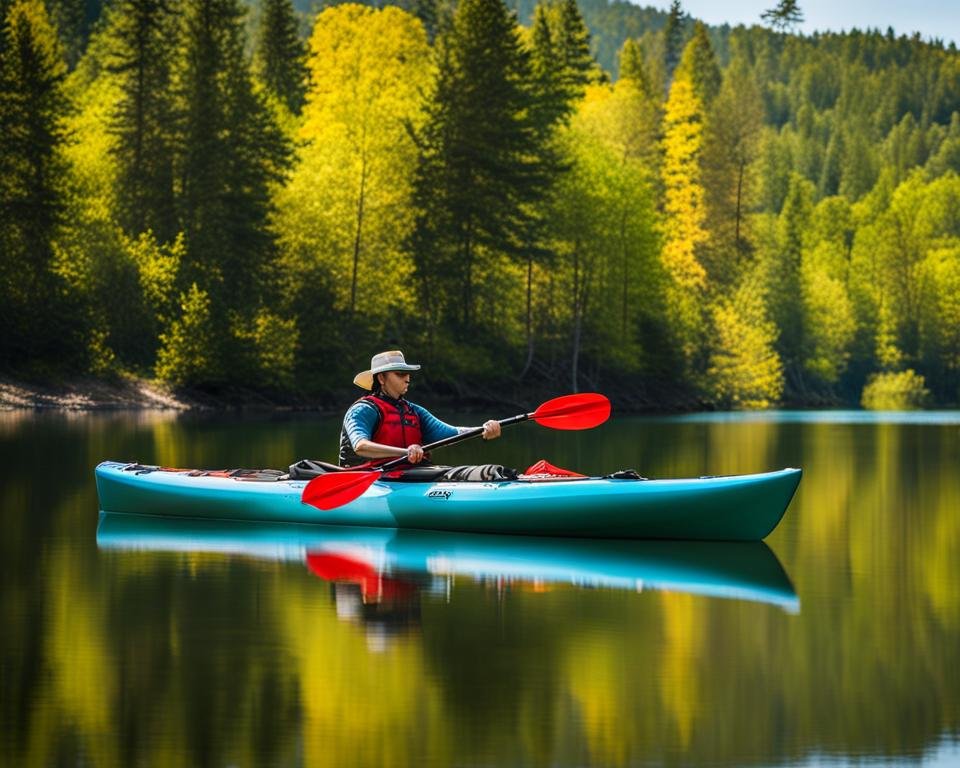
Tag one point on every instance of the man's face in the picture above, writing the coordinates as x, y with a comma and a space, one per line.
396, 383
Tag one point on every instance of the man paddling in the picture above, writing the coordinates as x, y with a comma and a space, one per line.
385, 425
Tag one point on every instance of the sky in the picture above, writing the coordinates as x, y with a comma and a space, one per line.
931, 18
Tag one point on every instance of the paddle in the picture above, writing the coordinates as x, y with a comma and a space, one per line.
581, 411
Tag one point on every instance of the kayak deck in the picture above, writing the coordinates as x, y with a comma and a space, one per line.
737, 508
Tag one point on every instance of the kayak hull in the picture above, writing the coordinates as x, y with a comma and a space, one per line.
736, 508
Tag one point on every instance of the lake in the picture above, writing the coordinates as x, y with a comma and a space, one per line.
837, 642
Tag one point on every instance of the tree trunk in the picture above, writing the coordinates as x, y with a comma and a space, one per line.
529, 319
358, 233
577, 319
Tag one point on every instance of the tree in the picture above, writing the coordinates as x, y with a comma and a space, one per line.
744, 369
140, 49
632, 66
229, 152
609, 148
673, 35
561, 65
479, 169
784, 16
38, 327
74, 20
786, 294
280, 55
699, 64
684, 213
731, 149
576, 66
348, 205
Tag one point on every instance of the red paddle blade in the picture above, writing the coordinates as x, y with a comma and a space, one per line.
581, 411
337, 488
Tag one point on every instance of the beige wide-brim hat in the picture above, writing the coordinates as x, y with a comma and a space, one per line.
381, 363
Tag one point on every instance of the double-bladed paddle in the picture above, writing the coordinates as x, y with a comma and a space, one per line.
581, 411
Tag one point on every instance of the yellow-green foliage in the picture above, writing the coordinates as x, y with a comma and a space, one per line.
829, 323
157, 267
185, 348
940, 310
275, 341
347, 205
902, 391
745, 370
683, 194
684, 231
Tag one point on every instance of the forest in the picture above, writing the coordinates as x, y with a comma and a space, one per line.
251, 200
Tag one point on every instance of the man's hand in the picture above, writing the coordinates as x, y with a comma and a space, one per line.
414, 454
491, 430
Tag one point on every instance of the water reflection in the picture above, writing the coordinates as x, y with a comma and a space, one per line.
210, 656
389, 566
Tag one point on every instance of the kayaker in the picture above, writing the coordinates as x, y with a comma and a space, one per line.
385, 425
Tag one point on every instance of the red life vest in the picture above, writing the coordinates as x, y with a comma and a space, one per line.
399, 424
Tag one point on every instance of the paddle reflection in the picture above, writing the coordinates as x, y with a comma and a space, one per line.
378, 575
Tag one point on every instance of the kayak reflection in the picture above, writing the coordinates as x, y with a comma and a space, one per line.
389, 567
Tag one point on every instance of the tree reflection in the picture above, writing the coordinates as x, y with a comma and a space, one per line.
203, 657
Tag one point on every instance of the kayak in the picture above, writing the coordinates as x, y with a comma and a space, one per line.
396, 564
734, 508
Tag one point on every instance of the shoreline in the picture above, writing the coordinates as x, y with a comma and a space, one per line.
88, 394
132, 393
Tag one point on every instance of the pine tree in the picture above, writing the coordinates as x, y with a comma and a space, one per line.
479, 170
699, 63
141, 36
576, 64
229, 151
560, 60
784, 16
673, 35
786, 295
35, 317
280, 60
632, 66
731, 148
550, 102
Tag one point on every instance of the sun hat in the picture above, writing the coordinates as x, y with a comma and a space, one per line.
381, 363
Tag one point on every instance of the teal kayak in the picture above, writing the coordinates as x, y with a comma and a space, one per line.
383, 560
735, 508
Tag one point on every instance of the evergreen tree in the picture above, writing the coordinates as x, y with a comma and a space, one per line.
551, 105
632, 67
74, 20
784, 16
479, 170
35, 314
560, 60
699, 63
576, 65
731, 149
280, 56
228, 153
673, 35
786, 294
141, 36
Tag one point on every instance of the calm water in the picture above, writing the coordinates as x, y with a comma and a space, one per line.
836, 643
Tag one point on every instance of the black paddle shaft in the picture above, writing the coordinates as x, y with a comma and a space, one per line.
474, 432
